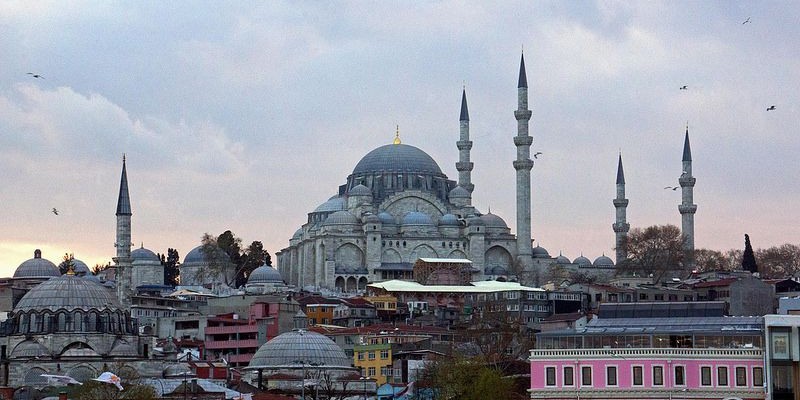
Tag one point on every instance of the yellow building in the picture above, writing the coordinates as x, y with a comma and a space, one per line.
374, 360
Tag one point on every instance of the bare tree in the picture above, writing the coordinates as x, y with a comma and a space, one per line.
656, 250
711, 260
779, 261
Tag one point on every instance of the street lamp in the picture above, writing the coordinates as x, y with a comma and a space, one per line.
364, 379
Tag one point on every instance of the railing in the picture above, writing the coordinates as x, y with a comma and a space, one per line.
646, 353
232, 344
213, 330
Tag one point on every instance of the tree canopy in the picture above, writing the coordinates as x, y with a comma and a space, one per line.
171, 261
748, 257
242, 262
466, 379
656, 250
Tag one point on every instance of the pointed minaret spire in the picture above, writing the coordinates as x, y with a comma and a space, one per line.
464, 165
687, 208
123, 244
523, 165
621, 226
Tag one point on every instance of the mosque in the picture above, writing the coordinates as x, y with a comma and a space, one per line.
398, 206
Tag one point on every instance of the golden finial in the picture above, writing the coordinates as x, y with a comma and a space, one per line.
397, 135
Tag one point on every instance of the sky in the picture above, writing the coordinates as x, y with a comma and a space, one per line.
245, 116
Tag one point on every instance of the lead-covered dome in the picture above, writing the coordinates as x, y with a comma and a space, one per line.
142, 254
417, 218
299, 348
493, 221
67, 292
386, 218
197, 255
359, 190
36, 267
540, 252
582, 261
341, 218
449, 220
397, 158
603, 261
335, 203
265, 274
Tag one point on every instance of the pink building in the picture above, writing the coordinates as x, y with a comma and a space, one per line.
648, 373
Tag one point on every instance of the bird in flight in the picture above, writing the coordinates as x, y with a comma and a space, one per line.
37, 76
55, 211
771, 108
684, 87
672, 187
536, 155
747, 21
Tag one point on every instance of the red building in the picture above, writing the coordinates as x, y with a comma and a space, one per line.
236, 338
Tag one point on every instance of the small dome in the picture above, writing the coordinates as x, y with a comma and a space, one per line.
371, 218
142, 254
80, 267
582, 261
298, 234
177, 371
493, 221
449, 220
459, 192
67, 292
36, 267
603, 261
265, 274
333, 204
341, 218
360, 190
198, 256
540, 252
563, 260
386, 218
417, 218
300, 348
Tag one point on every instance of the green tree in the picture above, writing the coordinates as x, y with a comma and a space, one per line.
67, 263
465, 379
748, 257
171, 271
133, 387
98, 268
236, 267
254, 256
656, 250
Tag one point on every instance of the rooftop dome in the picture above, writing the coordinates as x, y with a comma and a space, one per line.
67, 292
80, 267
298, 233
178, 370
417, 218
341, 218
198, 256
582, 261
37, 267
540, 251
299, 348
603, 261
386, 218
397, 158
458, 192
448, 220
142, 254
265, 274
335, 203
360, 190
563, 260
493, 221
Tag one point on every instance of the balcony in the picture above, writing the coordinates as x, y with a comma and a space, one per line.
639, 353
232, 344
213, 330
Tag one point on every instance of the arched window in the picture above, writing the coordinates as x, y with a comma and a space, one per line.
47, 323
24, 321
62, 322
35, 323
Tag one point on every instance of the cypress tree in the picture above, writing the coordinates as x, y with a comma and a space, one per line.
748, 258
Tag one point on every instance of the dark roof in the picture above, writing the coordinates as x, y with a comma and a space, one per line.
523, 79
564, 317
687, 150
717, 283
397, 158
124, 201
620, 172
464, 111
662, 309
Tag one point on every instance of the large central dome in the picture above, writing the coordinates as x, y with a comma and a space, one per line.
397, 158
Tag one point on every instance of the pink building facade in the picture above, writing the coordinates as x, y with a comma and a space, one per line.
648, 373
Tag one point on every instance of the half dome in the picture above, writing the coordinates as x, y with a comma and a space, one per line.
417, 218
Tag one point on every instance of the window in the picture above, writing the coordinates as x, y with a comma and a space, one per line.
705, 376
598, 297
586, 376
569, 376
722, 376
642, 296
384, 354
658, 375
371, 355
741, 376
611, 376
680, 378
371, 371
659, 297
360, 356
550, 376
758, 376
638, 376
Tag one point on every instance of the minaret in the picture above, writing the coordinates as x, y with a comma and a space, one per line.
123, 243
687, 207
621, 226
464, 165
523, 165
